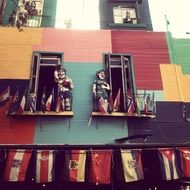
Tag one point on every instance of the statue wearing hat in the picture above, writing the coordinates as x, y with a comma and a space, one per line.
65, 85
100, 91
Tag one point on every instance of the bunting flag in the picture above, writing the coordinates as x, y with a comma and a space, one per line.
116, 104
4, 96
17, 165
103, 105
22, 104
169, 166
110, 103
146, 98
185, 161
132, 165
32, 103
49, 101
43, 102
45, 160
75, 164
100, 166
130, 105
13, 109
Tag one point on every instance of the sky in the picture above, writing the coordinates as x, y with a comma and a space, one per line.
177, 13
85, 15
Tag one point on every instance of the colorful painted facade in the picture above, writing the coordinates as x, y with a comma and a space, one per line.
161, 67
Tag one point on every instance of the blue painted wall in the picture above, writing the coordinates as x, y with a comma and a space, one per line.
75, 130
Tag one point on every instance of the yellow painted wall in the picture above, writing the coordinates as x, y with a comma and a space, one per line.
176, 85
16, 51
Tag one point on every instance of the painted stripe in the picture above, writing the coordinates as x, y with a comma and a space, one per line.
81, 168
44, 166
15, 171
11, 156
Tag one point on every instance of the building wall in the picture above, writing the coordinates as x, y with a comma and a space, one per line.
82, 58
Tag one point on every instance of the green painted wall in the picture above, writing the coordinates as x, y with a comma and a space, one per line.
75, 130
49, 13
10, 6
179, 52
182, 54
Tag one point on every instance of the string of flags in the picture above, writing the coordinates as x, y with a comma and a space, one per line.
98, 164
19, 104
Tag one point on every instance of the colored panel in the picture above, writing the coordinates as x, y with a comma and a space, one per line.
184, 87
149, 49
10, 6
77, 45
75, 130
176, 85
167, 127
170, 84
16, 52
15, 130
181, 48
11, 36
49, 13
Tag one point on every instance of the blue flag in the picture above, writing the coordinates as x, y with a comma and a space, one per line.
169, 165
43, 102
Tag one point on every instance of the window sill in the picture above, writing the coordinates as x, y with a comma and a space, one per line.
40, 113
127, 26
122, 114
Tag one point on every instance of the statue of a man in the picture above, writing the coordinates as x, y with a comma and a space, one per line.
65, 85
100, 91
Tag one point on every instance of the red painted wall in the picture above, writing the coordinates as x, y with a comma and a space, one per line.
149, 49
15, 130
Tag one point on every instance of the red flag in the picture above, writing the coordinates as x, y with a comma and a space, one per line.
169, 164
117, 102
185, 161
44, 166
100, 166
130, 104
17, 165
22, 104
76, 160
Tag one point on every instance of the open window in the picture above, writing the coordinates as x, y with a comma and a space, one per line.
42, 83
126, 15
121, 78
28, 13
123, 97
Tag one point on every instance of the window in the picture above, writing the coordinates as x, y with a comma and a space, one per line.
29, 12
120, 72
124, 15
42, 83
122, 81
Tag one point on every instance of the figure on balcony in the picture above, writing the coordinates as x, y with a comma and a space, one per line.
128, 18
101, 89
65, 86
